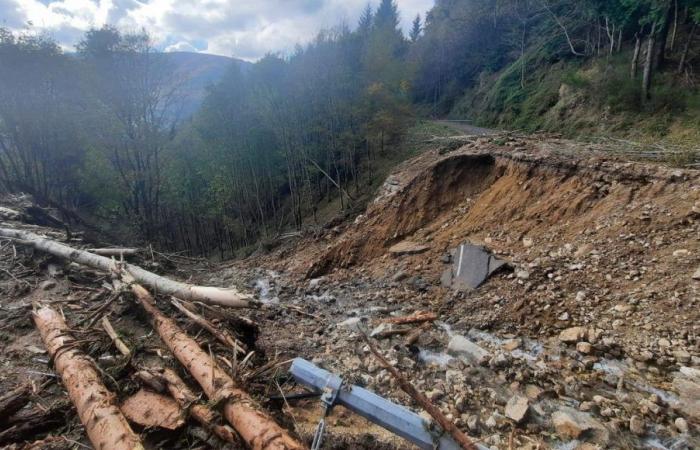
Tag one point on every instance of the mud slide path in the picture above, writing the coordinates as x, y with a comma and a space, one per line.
591, 340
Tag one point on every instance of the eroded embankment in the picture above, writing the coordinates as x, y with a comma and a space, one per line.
493, 188
596, 326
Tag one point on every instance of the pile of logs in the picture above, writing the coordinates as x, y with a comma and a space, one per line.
106, 424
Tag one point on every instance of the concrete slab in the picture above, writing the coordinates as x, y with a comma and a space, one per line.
471, 266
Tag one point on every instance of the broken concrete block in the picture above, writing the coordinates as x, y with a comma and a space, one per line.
471, 266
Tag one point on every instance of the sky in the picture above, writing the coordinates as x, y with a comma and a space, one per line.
246, 29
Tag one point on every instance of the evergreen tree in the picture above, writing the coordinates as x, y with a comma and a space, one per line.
387, 16
415, 29
366, 19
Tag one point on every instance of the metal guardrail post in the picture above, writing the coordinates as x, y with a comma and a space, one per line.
395, 418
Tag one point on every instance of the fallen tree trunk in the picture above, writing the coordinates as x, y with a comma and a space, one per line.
204, 294
105, 425
258, 430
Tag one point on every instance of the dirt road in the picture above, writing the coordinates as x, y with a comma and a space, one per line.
464, 127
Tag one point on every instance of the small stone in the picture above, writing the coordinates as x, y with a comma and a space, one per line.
407, 248
517, 408
533, 392
696, 275
681, 356
400, 275
461, 346
473, 422
580, 296
681, 253
491, 422
681, 425
511, 344
584, 347
563, 316
586, 406
573, 334
571, 424
637, 425
528, 242
315, 283
663, 343
522, 274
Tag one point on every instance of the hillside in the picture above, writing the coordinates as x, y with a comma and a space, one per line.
197, 72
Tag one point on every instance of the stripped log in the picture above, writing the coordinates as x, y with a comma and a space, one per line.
105, 425
204, 294
418, 317
258, 430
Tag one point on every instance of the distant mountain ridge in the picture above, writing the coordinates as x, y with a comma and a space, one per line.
197, 71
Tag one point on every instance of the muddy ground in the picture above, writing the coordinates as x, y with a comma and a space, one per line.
588, 339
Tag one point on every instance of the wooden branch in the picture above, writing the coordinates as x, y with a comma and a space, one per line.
417, 317
221, 336
258, 430
422, 400
413, 336
121, 346
105, 425
205, 294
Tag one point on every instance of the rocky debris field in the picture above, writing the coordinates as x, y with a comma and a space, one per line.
588, 338
576, 325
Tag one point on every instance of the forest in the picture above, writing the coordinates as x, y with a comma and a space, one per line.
97, 133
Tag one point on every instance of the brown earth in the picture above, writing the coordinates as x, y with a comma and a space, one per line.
607, 245
597, 242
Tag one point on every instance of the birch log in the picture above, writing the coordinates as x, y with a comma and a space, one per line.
105, 425
258, 430
204, 294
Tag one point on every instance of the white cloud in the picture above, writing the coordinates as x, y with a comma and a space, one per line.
245, 29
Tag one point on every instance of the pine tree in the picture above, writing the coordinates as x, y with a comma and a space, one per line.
416, 29
365, 24
387, 16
